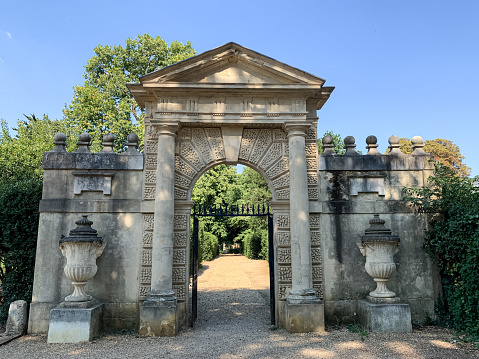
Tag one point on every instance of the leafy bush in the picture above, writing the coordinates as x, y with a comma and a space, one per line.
18, 236
453, 242
255, 243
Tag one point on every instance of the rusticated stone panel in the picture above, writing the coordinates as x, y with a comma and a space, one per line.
278, 168
279, 134
311, 133
216, 142
285, 273
311, 149
149, 192
151, 162
179, 274
313, 178
189, 153
282, 221
185, 133
247, 143
318, 289
283, 291
313, 193
184, 168
271, 156
312, 164
317, 273
182, 181
282, 194
284, 255
179, 221
148, 222
151, 147
144, 289
180, 292
201, 143
180, 239
146, 257
261, 144
179, 256
283, 239
150, 177
316, 255
315, 238
147, 239
314, 220
180, 193
282, 181
145, 276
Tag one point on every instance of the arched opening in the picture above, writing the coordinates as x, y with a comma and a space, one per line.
233, 246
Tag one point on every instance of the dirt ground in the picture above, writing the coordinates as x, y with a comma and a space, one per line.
234, 322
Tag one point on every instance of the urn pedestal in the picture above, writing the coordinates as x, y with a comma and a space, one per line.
79, 317
382, 310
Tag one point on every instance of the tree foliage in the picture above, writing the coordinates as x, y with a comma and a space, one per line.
221, 185
444, 151
103, 104
21, 154
453, 242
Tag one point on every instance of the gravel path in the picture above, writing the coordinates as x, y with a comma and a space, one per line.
233, 322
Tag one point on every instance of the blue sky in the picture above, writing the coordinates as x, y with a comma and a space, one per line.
399, 67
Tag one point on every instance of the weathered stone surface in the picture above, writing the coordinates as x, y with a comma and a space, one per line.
305, 318
158, 318
74, 325
385, 318
17, 318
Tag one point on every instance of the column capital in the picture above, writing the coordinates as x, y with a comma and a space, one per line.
296, 129
157, 129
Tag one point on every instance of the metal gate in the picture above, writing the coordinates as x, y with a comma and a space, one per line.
231, 211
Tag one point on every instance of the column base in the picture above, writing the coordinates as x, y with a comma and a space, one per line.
159, 315
304, 313
75, 322
385, 317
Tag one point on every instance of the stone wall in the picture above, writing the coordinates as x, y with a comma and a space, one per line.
353, 188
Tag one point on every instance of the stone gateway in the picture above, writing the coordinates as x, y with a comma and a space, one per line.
230, 105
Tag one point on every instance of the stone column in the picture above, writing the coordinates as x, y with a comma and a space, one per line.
158, 315
305, 312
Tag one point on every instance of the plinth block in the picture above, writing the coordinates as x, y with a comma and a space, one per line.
385, 318
158, 318
305, 318
73, 325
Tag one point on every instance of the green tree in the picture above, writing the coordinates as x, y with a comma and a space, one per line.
338, 144
453, 242
21, 154
444, 151
103, 104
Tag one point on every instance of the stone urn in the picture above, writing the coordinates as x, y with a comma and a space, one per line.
81, 250
378, 245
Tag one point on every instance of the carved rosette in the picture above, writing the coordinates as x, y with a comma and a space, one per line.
378, 245
81, 250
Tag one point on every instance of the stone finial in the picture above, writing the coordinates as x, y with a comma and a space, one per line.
60, 142
132, 144
417, 145
372, 145
84, 142
327, 145
350, 145
108, 142
394, 146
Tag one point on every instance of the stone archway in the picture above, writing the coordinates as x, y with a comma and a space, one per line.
230, 105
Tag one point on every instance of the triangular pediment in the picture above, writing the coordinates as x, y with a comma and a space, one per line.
231, 64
